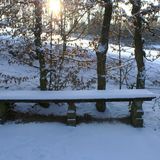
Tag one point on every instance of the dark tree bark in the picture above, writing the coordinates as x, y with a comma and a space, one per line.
138, 42
88, 20
38, 43
63, 29
102, 51
136, 108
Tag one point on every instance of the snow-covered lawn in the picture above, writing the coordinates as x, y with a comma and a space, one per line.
97, 141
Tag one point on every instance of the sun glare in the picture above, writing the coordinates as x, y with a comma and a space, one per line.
54, 7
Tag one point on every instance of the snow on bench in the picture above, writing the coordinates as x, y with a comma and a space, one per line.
135, 95
75, 96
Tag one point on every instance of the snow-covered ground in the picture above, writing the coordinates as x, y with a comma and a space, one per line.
97, 141
45, 141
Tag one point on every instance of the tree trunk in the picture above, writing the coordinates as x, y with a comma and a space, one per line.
88, 20
102, 51
63, 29
64, 43
38, 44
136, 108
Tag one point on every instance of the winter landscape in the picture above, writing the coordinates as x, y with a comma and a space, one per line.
79, 45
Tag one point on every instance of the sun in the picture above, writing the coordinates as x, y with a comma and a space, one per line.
54, 7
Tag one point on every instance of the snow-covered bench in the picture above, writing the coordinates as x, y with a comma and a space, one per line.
70, 97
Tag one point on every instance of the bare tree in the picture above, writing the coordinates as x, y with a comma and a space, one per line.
38, 44
136, 108
102, 51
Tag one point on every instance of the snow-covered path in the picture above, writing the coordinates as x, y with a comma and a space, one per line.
97, 141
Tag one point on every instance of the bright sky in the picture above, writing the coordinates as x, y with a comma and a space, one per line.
54, 6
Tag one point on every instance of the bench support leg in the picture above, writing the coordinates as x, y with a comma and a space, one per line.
4, 108
101, 106
137, 113
71, 114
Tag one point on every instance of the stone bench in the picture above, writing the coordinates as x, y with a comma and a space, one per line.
71, 97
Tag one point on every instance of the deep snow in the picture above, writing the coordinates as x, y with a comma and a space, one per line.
35, 141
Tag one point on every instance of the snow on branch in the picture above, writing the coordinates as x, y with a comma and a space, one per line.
152, 8
102, 48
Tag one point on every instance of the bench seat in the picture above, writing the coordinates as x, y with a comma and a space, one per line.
76, 96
